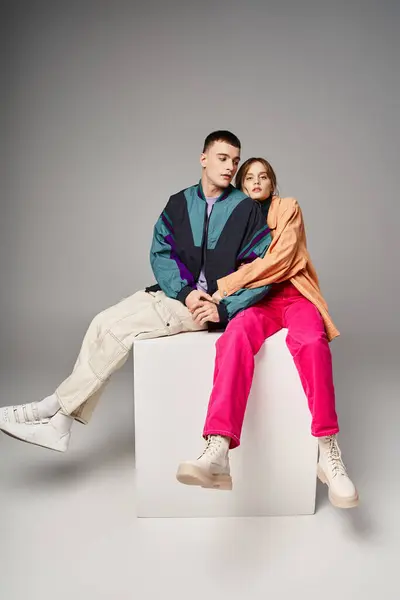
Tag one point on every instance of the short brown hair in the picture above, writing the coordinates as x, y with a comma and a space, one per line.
221, 136
241, 174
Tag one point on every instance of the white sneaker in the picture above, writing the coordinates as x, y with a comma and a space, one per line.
23, 413
53, 433
211, 469
331, 470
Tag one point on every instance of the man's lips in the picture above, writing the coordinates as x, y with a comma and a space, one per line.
256, 189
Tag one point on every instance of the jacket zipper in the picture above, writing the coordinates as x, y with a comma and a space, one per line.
204, 244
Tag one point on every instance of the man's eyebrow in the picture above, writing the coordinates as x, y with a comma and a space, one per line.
227, 155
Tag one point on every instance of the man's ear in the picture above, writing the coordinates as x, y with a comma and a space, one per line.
203, 159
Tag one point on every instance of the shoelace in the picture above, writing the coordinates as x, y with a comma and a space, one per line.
213, 446
335, 457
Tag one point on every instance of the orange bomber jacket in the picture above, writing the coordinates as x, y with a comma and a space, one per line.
287, 258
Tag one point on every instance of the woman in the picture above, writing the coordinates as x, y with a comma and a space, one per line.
294, 302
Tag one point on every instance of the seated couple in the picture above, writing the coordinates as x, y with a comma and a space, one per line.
222, 256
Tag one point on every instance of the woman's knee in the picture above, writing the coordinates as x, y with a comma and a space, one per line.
241, 331
310, 339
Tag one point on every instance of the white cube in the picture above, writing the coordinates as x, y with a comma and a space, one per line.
274, 469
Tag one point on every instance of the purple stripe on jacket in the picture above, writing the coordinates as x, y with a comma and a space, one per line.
263, 233
183, 270
167, 223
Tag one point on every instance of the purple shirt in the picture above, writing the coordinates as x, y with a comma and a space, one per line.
202, 282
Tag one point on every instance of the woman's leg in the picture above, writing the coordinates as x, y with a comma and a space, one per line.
234, 368
233, 375
309, 347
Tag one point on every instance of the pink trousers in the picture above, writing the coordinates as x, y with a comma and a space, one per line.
284, 307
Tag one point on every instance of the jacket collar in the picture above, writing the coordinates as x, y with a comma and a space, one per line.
265, 206
223, 196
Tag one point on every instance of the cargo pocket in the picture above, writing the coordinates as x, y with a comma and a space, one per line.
109, 354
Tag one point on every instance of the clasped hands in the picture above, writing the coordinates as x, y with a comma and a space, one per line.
203, 307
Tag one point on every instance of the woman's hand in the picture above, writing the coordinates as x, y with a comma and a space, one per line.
216, 297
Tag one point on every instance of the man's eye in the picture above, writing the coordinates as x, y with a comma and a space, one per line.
222, 158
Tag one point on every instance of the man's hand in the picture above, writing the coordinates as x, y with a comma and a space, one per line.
206, 311
195, 298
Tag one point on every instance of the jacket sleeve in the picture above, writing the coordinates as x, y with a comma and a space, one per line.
255, 243
280, 262
171, 274
230, 306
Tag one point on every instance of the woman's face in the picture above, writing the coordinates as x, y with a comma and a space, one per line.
256, 183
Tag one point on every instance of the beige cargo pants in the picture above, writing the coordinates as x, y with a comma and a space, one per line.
108, 341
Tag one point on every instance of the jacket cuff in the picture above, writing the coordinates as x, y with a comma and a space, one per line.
184, 293
223, 314
224, 288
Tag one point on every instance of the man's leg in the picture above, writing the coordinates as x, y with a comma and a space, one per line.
233, 375
309, 347
182, 322
105, 349
84, 412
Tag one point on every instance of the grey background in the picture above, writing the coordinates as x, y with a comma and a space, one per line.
105, 106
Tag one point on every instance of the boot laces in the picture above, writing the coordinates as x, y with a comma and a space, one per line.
213, 446
335, 457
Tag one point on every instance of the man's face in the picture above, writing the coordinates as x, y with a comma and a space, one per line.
220, 163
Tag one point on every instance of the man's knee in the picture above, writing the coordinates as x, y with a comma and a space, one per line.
98, 321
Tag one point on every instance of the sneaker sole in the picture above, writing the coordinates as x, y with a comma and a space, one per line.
21, 439
335, 500
191, 475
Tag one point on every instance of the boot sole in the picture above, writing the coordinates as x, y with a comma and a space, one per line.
191, 475
335, 500
21, 439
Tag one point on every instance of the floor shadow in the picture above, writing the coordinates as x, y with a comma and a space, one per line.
357, 522
76, 466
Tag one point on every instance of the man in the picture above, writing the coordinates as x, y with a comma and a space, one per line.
202, 235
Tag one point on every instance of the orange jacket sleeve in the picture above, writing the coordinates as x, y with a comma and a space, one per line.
282, 260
